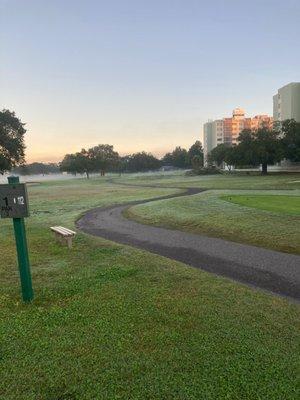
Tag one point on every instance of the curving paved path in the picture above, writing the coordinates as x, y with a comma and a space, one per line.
266, 269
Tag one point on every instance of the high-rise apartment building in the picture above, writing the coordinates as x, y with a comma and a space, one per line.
233, 126
209, 141
286, 103
218, 128
213, 134
227, 130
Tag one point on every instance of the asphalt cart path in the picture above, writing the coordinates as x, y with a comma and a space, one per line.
265, 269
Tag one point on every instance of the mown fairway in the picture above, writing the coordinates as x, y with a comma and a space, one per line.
267, 218
113, 322
278, 204
284, 181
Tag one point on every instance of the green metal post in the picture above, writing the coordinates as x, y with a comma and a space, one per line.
22, 250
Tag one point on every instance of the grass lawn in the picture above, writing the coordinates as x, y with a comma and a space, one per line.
271, 225
277, 204
286, 181
210, 214
113, 322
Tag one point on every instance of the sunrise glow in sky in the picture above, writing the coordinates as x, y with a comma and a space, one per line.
141, 75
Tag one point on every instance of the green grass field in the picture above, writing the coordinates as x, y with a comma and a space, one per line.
276, 204
208, 213
286, 181
262, 211
113, 322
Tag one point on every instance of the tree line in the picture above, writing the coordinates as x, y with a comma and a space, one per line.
103, 158
37, 168
260, 147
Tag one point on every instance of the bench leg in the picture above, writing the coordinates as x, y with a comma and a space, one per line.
57, 237
69, 242
64, 240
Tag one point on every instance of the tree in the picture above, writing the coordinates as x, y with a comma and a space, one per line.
259, 147
83, 163
196, 150
291, 139
100, 158
122, 164
12, 147
103, 157
68, 164
142, 162
197, 162
268, 149
178, 158
245, 154
167, 159
218, 154
223, 153
231, 157
37, 168
77, 163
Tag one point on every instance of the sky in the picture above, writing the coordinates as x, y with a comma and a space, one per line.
140, 75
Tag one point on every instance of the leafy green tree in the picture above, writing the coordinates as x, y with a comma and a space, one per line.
224, 153
142, 162
102, 158
77, 163
12, 147
178, 158
83, 163
122, 164
245, 153
259, 147
68, 164
218, 154
268, 148
196, 150
291, 139
37, 168
231, 157
167, 159
197, 162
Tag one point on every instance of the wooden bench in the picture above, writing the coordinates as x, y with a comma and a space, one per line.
63, 235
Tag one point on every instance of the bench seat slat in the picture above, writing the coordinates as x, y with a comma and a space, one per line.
62, 231
66, 230
58, 229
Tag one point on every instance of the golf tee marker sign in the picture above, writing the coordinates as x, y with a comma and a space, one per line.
14, 201
14, 204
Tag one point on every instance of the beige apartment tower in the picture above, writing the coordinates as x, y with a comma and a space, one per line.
286, 103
